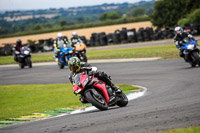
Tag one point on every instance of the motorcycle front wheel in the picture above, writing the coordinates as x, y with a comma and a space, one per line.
123, 100
60, 65
28, 62
21, 65
97, 101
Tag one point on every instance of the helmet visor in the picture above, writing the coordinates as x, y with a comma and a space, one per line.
178, 32
74, 68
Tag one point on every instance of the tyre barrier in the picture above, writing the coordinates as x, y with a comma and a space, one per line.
118, 37
84, 40
123, 36
110, 38
132, 36
7, 50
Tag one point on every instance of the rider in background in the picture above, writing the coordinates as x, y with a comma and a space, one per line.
59, 42
76, 66
178, 38
17, 49
74, 39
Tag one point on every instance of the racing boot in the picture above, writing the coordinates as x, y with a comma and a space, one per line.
116, 88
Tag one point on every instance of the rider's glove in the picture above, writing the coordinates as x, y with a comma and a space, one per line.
90, 73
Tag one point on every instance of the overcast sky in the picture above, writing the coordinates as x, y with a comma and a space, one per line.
46, 4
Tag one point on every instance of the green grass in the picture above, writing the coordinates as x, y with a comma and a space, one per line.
166, 52
169, 51
184, 130
18, 100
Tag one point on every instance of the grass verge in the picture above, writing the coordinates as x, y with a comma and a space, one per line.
18, 100
184, 130
166, 52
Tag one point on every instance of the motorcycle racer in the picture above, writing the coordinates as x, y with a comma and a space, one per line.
76, 66
17, 49
178, 38
59, 42
74, 39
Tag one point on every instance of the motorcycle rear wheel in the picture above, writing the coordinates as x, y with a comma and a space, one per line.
84, 57
123, 100
99, 103
196, 57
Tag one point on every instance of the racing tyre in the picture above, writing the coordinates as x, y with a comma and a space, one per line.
21, 65
28, 61
97, 101
84, 58
123, 100
196, 57
61, 66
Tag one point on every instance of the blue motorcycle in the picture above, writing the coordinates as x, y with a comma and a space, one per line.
64, 55
191, 51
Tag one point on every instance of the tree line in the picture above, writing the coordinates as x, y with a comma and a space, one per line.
173, 12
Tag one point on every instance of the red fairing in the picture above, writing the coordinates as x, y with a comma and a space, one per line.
75, 87
102, 87
83, 78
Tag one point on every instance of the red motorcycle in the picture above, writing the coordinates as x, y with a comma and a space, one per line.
97, 92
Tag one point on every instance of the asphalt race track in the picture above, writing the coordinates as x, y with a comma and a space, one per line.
172, 99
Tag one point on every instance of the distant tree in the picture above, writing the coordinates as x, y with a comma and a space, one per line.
103, 17
193, 17
63, 23
138, 12
168, 12
113, 15
109, 15
80, 19
37, 27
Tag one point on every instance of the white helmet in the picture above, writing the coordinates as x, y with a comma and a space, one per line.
74, 34
59, 35
178, 30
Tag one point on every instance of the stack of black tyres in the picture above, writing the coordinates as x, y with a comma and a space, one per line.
140, 36
110, 38
158, 34
150, 33
146, 35
123, 36
166, 32
116, 37
97, 39
83, 38
132, 37
92, 39
7, 50
103, 39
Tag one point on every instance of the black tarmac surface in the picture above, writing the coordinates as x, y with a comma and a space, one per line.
172, 99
